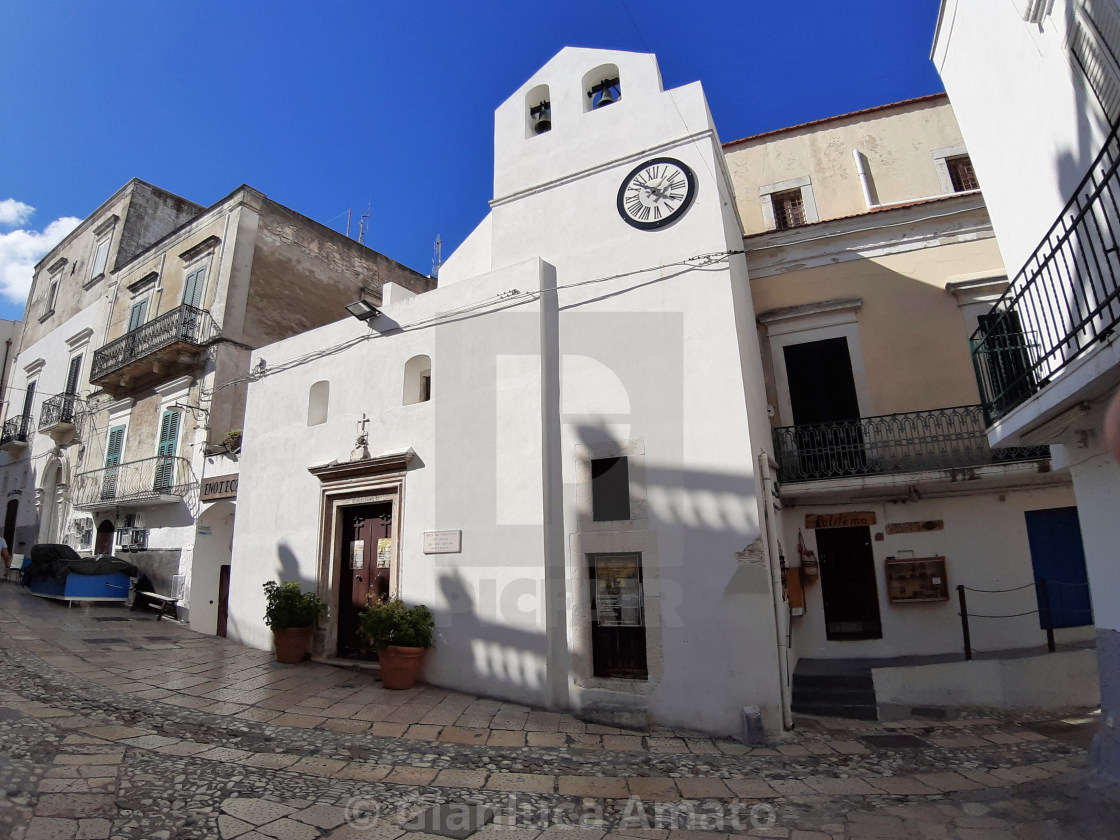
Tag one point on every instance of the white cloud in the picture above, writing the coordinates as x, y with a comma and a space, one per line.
14, 212
21, 249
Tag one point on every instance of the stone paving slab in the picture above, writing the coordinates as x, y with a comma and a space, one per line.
96, 747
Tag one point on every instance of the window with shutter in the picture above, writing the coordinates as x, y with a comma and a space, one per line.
193, 287
168, 439
137, 314
1093, 38
113, 451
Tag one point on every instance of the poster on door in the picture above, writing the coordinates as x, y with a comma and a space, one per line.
358, 554
384, 552
618, 593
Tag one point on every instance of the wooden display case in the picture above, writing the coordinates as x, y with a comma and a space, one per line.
916, 579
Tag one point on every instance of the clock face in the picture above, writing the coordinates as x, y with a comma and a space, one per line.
656, 193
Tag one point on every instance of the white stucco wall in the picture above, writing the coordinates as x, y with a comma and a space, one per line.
636, 354
984, 543
1023, 107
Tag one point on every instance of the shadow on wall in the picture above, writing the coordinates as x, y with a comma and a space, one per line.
492, 629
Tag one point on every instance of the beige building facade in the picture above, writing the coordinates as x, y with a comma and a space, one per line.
146, 337
871, 258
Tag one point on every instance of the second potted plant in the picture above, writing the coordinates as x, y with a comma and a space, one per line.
291, 613
401, 636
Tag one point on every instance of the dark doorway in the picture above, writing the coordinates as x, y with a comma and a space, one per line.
1058, 556
848, 587
1004, 360
10, 523
105, 531
822, 394
223, 599
618, 627
367, 551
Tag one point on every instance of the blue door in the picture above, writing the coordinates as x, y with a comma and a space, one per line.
1058, 556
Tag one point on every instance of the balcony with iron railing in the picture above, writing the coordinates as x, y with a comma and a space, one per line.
149, 481
167, 346
16, 433
62, 418
1063, 303
910, 442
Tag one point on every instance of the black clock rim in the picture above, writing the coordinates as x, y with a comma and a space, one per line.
690, 193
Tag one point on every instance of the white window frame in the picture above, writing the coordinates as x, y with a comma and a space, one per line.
100, 260
941, 159
795, 328
808, 201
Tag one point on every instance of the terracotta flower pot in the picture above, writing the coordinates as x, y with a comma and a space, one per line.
400, 666
291, 643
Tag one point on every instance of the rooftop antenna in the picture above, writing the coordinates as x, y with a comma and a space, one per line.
437, 256
363, 225
349, 213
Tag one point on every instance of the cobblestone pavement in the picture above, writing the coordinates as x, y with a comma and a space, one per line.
115, 726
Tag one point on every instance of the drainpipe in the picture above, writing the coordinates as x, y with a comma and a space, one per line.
781, 616
4, 373
861, 170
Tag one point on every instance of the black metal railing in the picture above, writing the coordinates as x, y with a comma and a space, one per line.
946, 438
146, 479
183, 323
16, 429
62, 408
1065, 298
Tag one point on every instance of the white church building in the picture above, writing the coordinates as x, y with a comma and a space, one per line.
563, 449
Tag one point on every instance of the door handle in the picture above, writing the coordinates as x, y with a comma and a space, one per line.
358, 578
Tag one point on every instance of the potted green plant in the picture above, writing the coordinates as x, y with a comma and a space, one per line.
401, 636
291, 613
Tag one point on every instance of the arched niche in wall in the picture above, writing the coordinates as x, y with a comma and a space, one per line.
318, 399
417, 380
601, 86
538, 111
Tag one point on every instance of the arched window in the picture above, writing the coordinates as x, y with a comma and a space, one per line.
417, 380
601, 87
317, 399
538, 111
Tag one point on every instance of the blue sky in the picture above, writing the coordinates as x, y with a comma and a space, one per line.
330, 105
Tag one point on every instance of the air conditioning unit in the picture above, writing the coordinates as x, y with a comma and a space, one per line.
132, 539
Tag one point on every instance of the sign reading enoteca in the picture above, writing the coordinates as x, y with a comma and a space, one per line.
218, 487
443, 542
850, 519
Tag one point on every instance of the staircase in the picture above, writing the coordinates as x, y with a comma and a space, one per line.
834, 688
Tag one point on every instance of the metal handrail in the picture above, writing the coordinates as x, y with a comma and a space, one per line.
1064, 299
946, 438
183, 323
147, 478
62, 408
16, 428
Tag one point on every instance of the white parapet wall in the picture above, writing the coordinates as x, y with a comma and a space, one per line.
1062, 679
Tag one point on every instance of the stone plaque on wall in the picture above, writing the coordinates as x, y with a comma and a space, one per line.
443, 542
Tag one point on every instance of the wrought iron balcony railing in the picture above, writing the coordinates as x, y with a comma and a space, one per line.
16, 430
947, 438
1065, 298
62, 409
158, 479
182, 324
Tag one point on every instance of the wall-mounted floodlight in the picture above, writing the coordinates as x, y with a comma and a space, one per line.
363, 310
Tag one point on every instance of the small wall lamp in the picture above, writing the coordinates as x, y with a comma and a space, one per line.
363, 310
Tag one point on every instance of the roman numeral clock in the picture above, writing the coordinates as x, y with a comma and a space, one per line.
656, 193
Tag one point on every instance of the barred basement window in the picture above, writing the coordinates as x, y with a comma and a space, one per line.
961, 174
789, 209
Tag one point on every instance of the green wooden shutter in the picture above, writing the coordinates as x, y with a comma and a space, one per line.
113, 451
136, 314
168, 438
193, 286
114, 447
